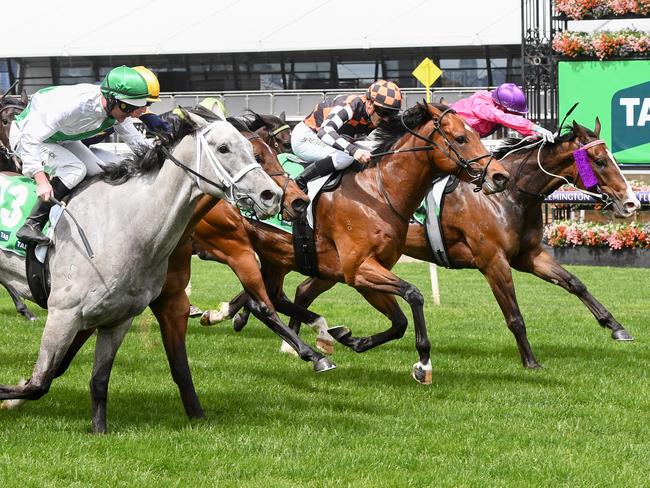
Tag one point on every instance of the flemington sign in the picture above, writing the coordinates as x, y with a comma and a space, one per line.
618, 92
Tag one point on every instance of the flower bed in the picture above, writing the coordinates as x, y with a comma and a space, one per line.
590, 234
603, 44
596, 9
592, 244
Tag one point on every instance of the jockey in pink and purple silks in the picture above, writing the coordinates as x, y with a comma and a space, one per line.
505, 106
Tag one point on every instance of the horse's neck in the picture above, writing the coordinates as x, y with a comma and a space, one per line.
174, 196
531, 180
405, 179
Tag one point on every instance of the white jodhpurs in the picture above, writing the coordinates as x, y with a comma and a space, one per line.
71, 161
306, 145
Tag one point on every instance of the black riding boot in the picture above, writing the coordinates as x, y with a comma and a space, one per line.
31, 231
315, 170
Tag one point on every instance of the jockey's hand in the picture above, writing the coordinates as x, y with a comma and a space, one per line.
545, 134
44, 190
363, 156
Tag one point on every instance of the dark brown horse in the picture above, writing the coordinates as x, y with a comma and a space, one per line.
9, 108
512, 230
361, 226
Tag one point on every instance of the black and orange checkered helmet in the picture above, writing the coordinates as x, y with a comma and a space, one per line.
385, 94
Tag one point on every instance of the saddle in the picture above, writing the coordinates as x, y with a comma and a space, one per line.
304, 246
36, 263
433, 204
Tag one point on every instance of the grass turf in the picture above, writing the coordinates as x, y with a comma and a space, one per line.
583, 420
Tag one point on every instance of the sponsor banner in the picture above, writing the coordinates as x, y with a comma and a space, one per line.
579, 197
618, 93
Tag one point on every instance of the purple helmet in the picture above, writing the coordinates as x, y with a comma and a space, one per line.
511, 97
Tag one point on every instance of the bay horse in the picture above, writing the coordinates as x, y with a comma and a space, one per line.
107, 291
9, 108
361, 226
511, 230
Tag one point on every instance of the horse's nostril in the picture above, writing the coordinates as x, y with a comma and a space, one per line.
631, 206
268, 195
299, 205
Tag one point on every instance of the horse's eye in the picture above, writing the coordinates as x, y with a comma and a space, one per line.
461, 139
600, 162
223, 149
258, 158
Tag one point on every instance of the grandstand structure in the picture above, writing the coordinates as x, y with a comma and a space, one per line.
270, 58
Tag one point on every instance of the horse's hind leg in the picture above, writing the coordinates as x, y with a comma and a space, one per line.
60, 330
171, 311
108, 342
499, 276
21, 308
547, 268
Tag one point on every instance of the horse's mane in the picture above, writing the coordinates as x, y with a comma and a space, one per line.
388, 133
120, 172
568, 134
253, 121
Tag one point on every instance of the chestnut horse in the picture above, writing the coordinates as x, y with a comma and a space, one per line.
361, 226
512, 229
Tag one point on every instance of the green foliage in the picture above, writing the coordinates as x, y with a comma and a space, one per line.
583, 420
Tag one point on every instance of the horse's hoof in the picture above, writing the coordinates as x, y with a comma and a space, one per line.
622, 335
323, 364
287, 349
211, 317
11, 404
325, 346
195, 311
340, 333
533, 365
422, 374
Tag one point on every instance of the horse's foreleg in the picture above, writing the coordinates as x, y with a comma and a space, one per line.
108, 342
499, 276
171, 311
21, 308
306, 293
271, 319
547, 268
59, 333
378, 284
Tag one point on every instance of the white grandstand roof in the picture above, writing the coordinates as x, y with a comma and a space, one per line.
131, 27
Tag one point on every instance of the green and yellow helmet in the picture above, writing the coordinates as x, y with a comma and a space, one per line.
125, 84
214, 104
153, 85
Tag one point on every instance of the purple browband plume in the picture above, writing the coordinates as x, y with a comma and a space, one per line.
585, 170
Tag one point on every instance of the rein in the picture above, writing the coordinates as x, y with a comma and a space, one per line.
462, 163
226, 183
584, 169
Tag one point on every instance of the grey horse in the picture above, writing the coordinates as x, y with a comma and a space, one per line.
133, 227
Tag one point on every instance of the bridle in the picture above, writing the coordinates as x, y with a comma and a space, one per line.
287, 178
225, 182
449, 150
6, 151
585, 174
273, 137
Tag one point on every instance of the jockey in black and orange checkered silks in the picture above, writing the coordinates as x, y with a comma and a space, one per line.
329, 136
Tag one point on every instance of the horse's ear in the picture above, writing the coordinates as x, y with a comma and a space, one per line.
283, 117
579, 130
197, 120
23, 97
597, 128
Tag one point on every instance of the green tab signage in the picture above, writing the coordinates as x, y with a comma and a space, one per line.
618, 92
17, 198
